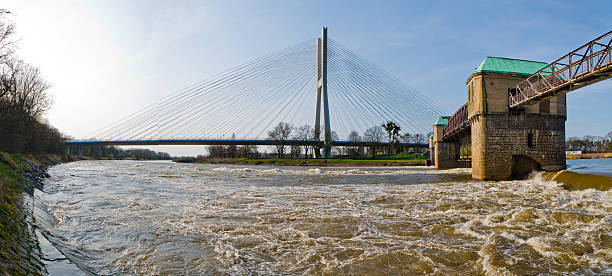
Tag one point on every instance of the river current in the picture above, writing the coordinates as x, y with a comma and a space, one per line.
143, 218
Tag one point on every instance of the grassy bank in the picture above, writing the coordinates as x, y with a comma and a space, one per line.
589, 155
393, 160
19, 249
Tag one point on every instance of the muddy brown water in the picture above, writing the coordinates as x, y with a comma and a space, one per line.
143, 218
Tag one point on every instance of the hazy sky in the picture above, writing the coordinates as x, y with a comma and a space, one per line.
106, 59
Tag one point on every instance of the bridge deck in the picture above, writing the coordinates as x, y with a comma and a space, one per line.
156, 142
457, 123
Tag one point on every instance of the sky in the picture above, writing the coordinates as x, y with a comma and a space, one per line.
107, 59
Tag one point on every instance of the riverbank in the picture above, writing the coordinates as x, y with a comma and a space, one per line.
306, 162
589, 155
20, 252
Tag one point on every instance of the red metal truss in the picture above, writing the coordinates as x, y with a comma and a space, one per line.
457, 122
588, 64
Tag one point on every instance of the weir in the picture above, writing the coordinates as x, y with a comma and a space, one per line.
514, 118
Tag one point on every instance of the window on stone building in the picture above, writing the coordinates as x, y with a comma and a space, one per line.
545, 106
530, 140
470, 92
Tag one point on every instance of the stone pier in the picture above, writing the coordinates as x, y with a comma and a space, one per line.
507, 143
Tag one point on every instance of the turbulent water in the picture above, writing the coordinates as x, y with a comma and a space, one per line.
129, 217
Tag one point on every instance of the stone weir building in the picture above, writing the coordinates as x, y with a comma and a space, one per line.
498, 142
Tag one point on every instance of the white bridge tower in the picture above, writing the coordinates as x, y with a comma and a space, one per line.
322, 91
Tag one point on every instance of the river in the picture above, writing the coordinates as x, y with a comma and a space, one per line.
142, 218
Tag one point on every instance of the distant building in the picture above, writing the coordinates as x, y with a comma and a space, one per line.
567, 152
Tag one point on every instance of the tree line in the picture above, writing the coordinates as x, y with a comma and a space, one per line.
233, 151
388, 132
590, 144
112, 152
24, 99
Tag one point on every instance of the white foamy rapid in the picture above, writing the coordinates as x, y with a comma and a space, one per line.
128, 217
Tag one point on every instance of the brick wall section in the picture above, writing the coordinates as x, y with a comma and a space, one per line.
444, 152
446, 155
432, 151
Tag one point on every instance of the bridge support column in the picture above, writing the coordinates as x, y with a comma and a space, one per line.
445, 153
508, 146
510, 143
432, 151
322, 95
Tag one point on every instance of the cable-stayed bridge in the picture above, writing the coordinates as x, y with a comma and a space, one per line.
311, 82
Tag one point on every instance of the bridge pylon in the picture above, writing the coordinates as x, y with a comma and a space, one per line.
322, 93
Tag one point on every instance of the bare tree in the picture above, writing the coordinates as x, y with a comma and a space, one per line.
355, 138
374, 134
419, 138
24, 89
406, 138
216, 151
295, 151
7, 43
304, 133
334, 136
23, 101
232, 150
248, 151
590, 143
279, 134
609, 141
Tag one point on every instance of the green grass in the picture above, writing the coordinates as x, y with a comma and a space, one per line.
14, 231
312, 160
15, 161
19, 251
410, 156
10, 180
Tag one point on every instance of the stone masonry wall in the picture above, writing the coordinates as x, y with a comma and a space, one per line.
446, 155
507, 136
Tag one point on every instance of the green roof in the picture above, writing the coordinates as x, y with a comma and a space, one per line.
509, 66
442, 121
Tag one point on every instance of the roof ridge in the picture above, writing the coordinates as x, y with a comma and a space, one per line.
509, 66
519, 59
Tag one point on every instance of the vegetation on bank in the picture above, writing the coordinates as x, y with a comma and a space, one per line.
284, 131
19, 249
116, 153
590, 143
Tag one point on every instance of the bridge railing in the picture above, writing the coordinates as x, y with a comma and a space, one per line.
457, 122
562, 73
